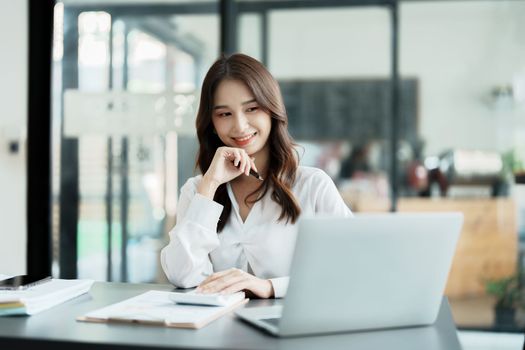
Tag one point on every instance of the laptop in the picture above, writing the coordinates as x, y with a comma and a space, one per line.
372, 271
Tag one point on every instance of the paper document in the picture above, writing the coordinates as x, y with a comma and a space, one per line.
41, 297
157, 307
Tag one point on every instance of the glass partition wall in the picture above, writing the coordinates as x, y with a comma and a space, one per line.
126, 84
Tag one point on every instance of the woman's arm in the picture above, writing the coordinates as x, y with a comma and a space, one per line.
185, 260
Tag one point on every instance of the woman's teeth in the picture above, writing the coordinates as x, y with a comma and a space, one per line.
245, 137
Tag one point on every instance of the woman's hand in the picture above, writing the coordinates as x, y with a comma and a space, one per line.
227, 164
235, 280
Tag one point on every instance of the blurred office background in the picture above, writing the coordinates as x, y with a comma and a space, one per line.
442, 80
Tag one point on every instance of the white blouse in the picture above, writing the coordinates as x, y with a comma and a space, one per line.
261, 245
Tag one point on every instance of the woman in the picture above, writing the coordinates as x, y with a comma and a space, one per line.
235, 231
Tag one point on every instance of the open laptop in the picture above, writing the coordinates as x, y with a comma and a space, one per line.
372, 271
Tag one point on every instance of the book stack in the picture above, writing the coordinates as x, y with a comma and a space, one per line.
41, 297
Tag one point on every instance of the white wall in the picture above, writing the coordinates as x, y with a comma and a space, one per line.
459, 51
13, 124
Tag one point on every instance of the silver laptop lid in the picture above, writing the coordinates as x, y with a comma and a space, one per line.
367, 272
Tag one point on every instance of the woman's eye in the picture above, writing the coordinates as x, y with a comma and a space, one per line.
252, 109
224, 114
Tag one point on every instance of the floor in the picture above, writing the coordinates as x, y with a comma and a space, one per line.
490, 341
478, 312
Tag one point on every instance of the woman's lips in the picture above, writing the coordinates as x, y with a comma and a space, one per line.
243, 141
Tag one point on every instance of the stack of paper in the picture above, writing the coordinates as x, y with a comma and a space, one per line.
158, 308
41, 297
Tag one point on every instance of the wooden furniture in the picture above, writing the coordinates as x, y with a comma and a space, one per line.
488, 244
487, 247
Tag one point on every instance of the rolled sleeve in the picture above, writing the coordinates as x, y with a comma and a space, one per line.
280, 286
204, 211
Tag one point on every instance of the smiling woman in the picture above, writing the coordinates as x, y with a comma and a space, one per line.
241, 124
235, 232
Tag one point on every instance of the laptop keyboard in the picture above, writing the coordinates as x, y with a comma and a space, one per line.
272, 321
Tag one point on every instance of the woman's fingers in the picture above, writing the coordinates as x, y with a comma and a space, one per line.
210, 279
235, 280
252, 162
221, 284
238, 158
247, 164
220, 280
241, 160
236, 287
217, 275
242, 163
227, 164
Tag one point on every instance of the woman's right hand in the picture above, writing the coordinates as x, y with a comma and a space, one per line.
227, 164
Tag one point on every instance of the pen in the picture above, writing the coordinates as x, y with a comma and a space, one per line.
254, 174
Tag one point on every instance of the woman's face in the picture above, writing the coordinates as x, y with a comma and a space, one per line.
238, 119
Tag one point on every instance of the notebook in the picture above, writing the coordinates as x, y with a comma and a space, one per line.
157, 308
41, 297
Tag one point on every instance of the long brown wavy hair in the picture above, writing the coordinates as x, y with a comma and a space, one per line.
283, 159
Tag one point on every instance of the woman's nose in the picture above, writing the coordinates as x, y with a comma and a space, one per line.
241, 122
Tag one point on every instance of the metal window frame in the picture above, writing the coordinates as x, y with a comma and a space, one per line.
38, 212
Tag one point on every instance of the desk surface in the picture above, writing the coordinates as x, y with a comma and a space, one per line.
57, 328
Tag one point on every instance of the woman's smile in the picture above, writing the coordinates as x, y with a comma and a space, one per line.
244, 140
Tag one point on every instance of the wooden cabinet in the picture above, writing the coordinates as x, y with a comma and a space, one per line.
488, 244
